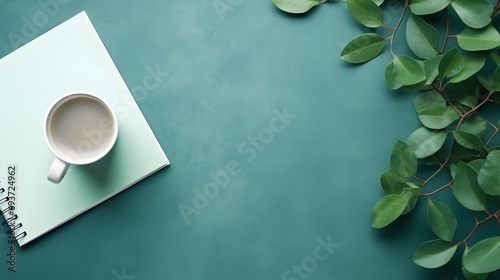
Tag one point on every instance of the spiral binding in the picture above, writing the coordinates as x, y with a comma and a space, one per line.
11, 218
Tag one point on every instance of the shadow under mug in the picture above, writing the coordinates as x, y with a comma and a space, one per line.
80, 128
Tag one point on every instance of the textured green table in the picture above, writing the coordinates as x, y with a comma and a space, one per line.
276, 148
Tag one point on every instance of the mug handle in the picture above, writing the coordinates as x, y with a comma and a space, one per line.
57, 171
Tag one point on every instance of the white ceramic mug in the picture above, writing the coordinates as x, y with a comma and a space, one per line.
80, 128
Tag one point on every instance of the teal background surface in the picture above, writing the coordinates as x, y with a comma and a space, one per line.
232, 65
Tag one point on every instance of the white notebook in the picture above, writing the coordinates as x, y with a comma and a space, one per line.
69, 57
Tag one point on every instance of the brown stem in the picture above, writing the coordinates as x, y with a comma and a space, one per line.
478, 105
442, 166
479, 223
440, 90
396, 28
492, 137
418, 179
443, 48
495, 9
439, 189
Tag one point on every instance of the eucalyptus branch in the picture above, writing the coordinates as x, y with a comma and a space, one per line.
493, 135
484, 101
440, 90
398, 24
447, 32
478, 224
477, 167
495, 9
441, 166
420, 180
448, 185
486, 121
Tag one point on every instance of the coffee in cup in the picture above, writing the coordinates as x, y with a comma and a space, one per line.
80, 128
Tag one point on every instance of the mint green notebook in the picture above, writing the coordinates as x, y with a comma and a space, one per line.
69, 57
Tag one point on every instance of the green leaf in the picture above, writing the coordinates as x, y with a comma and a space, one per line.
425, 142
484, 256
458, 154
494, 148
453, 170
366, 12
471, 65
451, 64
470, 141
392, 182
465, 92
296, 6
437, 117
476, 164
422, 37
434, 253
485, 82
479, 39
391, 77
475, 14
416, 87
403, 160
428, 99
378, 2
441, 221
495, 80
474, 125
363, 48
412, 193
431, 68
426, 7
408, 70
466, 188
404, 71
489, 175
388, 209
469, 275
494, 55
